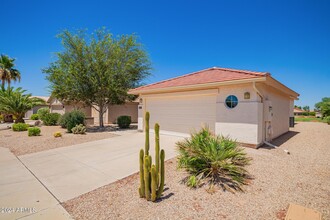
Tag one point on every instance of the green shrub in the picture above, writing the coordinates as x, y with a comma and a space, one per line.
215, 160
124, 121
51, 119
72, 119
34, 117
34, 131
20, 127
327, 120
1, 118
79, 129
312, 114
305, 113
64, 120
42, 112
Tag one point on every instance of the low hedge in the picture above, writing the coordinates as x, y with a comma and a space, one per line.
72, 119
20, 127
34, 117
34, 131
124, 121
51, 119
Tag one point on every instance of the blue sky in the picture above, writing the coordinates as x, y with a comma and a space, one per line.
289, 39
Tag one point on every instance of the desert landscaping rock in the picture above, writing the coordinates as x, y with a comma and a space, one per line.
19, 143
279, 179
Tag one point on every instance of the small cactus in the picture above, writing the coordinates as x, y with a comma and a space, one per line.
152, 177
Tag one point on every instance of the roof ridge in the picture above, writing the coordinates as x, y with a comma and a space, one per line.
243, 71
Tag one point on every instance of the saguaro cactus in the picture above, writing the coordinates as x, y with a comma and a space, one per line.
152, 177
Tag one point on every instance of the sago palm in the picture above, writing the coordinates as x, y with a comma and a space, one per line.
15, 102
7, 71
212, 159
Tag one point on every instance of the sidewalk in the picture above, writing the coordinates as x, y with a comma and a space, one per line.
22, 196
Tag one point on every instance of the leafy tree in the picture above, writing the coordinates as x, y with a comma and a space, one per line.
324, 106
7, 72
15, 102
97, 70
306, 108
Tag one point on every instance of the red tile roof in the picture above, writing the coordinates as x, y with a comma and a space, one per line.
210, 75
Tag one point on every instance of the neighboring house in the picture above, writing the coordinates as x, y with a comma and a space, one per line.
318, 114
35, 109
114, 111
298, 111
251, 107
56, 106
109, 117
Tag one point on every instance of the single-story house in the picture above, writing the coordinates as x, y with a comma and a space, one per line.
35, 109
298, 111
251, 107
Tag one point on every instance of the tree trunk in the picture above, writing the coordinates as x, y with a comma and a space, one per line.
101, 113
19, 120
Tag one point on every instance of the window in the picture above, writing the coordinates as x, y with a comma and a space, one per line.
231, 101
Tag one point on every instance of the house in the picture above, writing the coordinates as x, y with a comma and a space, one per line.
251, 107
298, 111
114, 111
57, 106
92, 116
35, 109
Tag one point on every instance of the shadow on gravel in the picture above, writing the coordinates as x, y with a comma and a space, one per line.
280, 140
109, 128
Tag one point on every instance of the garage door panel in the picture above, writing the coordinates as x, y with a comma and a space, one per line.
182, 114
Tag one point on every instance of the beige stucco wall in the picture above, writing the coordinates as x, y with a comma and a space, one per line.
130, 109
280, 110
244, 122
86, 110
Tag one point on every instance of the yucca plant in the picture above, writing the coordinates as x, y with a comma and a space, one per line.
214, 160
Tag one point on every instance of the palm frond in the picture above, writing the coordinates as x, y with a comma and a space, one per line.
217, 159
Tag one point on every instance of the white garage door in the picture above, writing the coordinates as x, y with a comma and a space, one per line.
183, 114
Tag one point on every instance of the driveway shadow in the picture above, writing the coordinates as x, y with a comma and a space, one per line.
280, 140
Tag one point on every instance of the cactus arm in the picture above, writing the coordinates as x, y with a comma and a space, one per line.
147, 177
147, 117
153, 183
157, 146
162, 173
142, 185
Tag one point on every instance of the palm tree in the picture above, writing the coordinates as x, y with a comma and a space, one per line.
15, 102
7, 72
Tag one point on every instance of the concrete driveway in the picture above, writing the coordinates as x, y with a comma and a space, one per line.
71, 171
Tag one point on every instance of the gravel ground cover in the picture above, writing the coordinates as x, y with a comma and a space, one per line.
20, 143
301, 177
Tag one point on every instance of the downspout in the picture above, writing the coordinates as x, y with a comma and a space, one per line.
262, 100
258, 92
